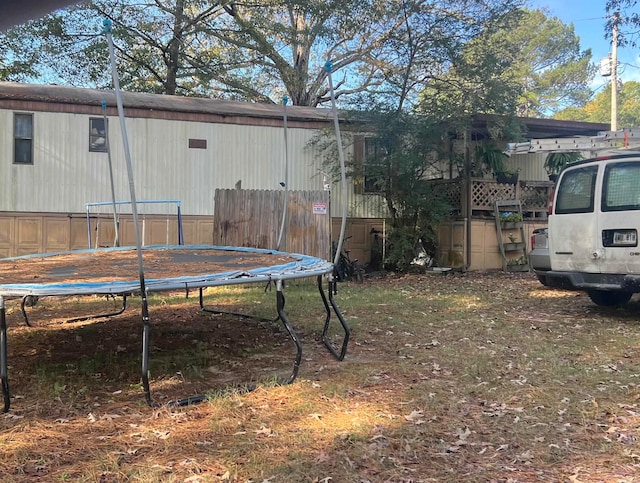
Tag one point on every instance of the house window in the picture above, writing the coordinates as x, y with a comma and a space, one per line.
23, 138
197, 143
97, 135
370, 169
376, 173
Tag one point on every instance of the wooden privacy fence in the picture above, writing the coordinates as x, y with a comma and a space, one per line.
252, 218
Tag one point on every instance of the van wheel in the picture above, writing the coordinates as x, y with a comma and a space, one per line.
608, 299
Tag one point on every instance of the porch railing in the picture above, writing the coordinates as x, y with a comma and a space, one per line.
534, 195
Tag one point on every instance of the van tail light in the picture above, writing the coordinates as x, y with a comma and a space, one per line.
551, 197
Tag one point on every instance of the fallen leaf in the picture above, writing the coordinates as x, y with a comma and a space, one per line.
264, 431
203, 443
110, 417
415, 415
12, 416
463, 434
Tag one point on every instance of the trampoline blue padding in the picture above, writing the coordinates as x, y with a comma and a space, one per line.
114, 271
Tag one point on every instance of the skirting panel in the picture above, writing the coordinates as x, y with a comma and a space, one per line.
28, 233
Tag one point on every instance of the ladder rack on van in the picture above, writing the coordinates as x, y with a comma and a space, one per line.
625, 139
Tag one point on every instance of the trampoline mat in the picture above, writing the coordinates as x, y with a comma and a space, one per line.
117, 266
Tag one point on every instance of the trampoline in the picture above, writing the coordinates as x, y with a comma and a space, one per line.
113, 271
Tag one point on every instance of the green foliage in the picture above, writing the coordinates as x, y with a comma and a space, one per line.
555, 162
262, 50
410, 144
552, 69
510, 217
599, 108
407, 147
490, 159
624, 15
518, 261
401, 246
490, 60
22, 54
533, 55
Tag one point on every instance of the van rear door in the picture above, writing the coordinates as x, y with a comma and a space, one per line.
619, 219
573, 225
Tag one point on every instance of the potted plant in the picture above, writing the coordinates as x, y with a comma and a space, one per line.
513, 244
507, 177
518, 264
555, 162
510, 220
493, 160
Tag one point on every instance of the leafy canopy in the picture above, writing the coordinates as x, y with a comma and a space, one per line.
599, 108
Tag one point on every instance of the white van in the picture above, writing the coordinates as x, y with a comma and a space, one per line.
593, 228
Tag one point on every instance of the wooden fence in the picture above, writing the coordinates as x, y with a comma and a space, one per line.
252, 218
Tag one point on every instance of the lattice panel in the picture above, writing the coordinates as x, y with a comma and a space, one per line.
449, 191
535, 197
485, 194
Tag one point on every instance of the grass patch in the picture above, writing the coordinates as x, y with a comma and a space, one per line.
476, 377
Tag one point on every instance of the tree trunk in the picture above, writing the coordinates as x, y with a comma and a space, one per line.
172, 57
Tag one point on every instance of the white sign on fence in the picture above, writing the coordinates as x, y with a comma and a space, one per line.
319, 208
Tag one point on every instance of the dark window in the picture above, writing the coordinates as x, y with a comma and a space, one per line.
576, 191
97, 135
23, 138
376, 170
621, 187
358, 164
197, 143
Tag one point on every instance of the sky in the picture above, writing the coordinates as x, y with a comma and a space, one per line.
588, 18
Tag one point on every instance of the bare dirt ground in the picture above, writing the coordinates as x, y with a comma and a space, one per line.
474, 377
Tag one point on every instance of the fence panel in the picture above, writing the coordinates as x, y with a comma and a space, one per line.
252, 218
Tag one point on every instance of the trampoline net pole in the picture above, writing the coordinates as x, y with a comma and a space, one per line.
127, 153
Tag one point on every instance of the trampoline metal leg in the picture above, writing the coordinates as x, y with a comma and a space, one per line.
100, 316
3, 357
222, 312
294, 337
347, 332
280, 301
144, 371
23, 303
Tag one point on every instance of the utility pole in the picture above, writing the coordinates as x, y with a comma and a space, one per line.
614, 73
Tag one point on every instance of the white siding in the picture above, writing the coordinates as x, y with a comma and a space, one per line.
65, 175
530, 166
